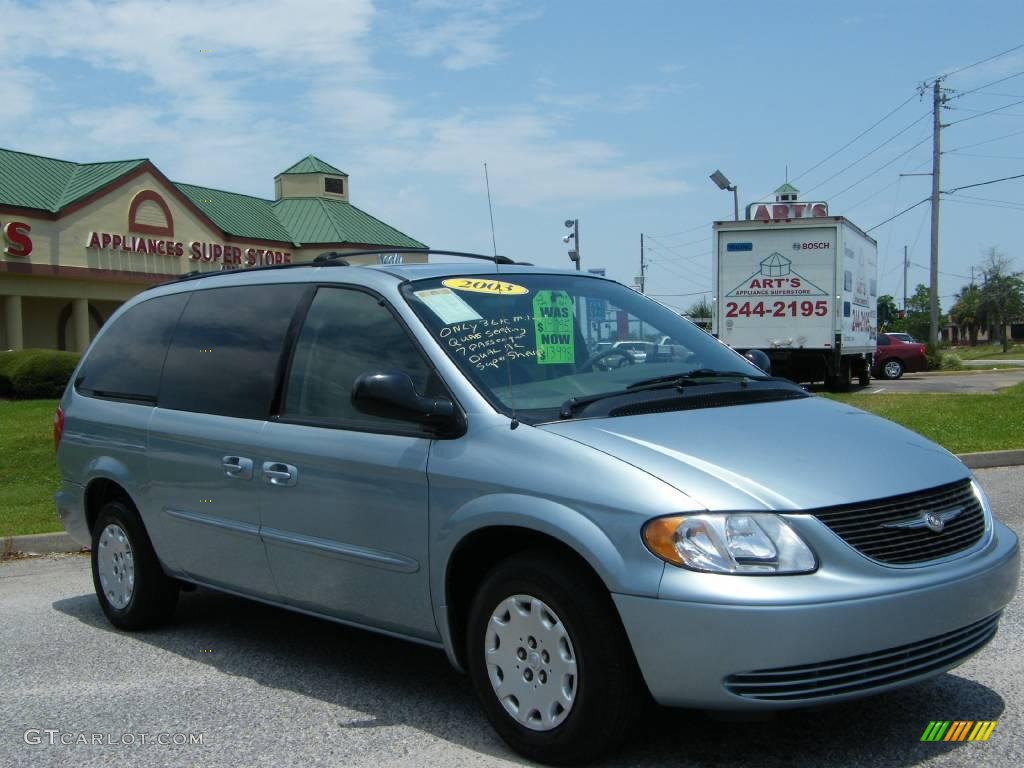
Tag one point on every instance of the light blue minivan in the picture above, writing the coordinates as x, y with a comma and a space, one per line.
464, 455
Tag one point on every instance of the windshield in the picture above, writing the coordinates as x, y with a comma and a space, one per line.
530, 342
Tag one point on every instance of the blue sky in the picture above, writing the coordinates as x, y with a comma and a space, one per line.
610, 112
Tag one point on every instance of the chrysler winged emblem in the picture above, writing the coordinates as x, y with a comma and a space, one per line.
933, 521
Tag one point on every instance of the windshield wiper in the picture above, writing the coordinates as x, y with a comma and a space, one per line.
681, 379
673, 381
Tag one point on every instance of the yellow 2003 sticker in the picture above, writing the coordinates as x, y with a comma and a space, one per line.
479, 285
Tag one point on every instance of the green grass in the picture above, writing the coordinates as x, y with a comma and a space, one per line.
959, 423
28, 472
987, 352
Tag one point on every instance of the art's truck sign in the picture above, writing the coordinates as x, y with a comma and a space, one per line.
805, 285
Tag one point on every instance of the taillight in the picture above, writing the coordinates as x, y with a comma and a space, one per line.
58, 427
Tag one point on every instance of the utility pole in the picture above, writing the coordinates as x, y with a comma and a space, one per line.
904, 279
643, 267
937, 101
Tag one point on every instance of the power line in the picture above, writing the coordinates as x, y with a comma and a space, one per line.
958, 94
982, 114
879, 169
674, 246
983, 111
855, 138
905, 210
868, 154
991, 200
982, 61
985, 205
987, 141
982, 183
990, 157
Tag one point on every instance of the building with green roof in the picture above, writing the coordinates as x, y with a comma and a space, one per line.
80, 238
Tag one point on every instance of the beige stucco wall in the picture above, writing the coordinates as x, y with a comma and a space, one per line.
64, 242
307, 185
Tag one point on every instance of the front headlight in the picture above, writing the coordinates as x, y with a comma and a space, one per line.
736, 542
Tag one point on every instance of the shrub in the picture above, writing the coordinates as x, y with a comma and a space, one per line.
31, 374
934, 355
951, 362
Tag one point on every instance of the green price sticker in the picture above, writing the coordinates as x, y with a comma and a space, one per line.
553, 328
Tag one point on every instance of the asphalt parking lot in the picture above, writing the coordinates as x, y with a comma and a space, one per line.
264, 687
973, 382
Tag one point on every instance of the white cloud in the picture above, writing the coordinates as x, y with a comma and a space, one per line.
206, 118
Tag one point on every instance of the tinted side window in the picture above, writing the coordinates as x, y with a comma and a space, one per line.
224, 356
126, 359
883, 340
347, 333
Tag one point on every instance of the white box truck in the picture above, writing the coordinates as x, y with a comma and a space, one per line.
804, 291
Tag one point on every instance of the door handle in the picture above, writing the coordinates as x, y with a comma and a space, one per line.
276, 473
237, 467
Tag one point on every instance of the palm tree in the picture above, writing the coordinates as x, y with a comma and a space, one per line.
967, 311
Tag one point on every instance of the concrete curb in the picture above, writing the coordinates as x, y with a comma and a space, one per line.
989, 459
39, 544
44, 543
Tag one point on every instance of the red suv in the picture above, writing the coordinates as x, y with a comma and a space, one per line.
893, 357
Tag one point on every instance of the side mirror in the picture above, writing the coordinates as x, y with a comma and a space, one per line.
760, 359
392, 394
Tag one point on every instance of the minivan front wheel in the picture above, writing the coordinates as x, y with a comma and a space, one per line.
132, 588
550, 661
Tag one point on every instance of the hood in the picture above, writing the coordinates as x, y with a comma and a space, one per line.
788, 455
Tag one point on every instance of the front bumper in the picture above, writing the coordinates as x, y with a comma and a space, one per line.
688, 651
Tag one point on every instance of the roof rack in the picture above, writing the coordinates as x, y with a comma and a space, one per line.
336, 259
497, 258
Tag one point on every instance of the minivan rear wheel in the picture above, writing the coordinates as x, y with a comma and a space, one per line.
133, 590
550, 661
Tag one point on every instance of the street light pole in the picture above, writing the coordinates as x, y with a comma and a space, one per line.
724, 184
574, 252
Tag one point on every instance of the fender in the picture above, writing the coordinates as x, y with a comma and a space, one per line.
573, 527
104, 467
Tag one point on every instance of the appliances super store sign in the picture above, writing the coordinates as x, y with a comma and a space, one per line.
229, 256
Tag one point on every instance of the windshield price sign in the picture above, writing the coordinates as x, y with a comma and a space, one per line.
553, 327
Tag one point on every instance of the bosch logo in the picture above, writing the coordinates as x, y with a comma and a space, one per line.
811, 246
796, 246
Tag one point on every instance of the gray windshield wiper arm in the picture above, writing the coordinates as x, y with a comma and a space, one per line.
701, 373
573, 404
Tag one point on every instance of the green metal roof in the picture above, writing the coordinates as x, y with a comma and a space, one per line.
32, 181
316, 220
312, 164
237, 214
44, 183
787, 189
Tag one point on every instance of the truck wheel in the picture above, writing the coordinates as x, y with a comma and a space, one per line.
133, 590
550, 661
892, 369
864, 374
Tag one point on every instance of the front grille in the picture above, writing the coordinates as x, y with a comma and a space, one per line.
862, 526
867, 671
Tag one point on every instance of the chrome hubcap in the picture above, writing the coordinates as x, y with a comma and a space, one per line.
116, 566
892, 370
531, 662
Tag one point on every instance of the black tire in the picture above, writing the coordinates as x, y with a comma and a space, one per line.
154, 595
606, 701
891, 369
864, 374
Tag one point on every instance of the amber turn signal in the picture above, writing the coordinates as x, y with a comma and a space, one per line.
660, 537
